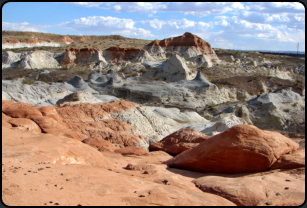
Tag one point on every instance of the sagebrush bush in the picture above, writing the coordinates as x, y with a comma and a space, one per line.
75, 99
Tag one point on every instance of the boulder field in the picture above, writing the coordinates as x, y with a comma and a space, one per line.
81, 155
179, 140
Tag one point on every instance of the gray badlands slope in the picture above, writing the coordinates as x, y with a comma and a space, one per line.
90, 128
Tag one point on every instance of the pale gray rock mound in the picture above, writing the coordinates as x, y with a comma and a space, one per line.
78, 84
38, 60
230, 59
143, 56
175, 119
218, 125
36, 94
10, 59
171, 70
156, 51
201, 60
112, 74
280, 110
101, 79
79, 97
94, 75
30, 60
146, 123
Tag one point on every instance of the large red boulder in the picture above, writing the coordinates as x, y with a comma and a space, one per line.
290, 161
26, 124
179, 141
21, 111
50, 111
240, 149
49, 125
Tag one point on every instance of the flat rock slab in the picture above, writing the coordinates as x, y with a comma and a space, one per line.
268, 188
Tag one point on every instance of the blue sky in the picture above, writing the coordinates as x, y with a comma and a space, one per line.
230, 25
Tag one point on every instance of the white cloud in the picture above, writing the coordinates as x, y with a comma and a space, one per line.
189, 8
24, 26
276, 7
238, 5
174, 26
220, 17
107, 24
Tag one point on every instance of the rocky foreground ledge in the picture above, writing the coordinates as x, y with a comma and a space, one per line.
87, 154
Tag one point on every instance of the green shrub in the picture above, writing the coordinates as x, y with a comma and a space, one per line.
82, 73
143, 70
211, 107
75, 99
44, 79
287, 110
28, 81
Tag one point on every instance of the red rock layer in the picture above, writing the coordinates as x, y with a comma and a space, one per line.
78, 56
187, 39
124, 54
78, 122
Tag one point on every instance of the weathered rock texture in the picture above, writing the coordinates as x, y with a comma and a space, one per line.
179, 141
240, 149
261, 189
83, 56
171, 70
184, 43
118, 54
293, 160
43, 94
30, 60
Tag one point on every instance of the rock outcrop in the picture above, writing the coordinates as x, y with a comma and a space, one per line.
30, 60
260, 189
184, 44
171, 70
296, 159
43, 93
179, 141
279, 110
240, 149
218, 125
83, 56
118, 54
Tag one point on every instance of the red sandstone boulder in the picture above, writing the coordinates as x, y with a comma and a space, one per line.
240, 149
50, 111
97, 142
49, 125
290, 161
6, 103
179, 141
26, 124
19, 110
132, 151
